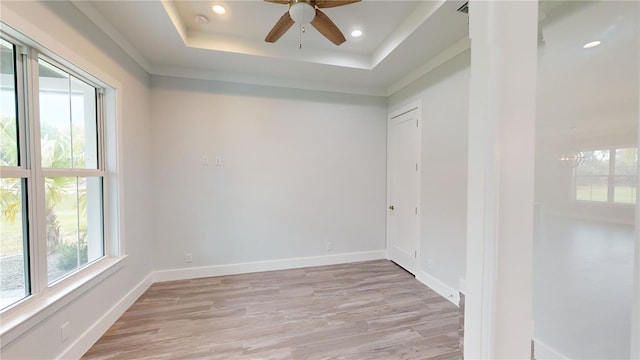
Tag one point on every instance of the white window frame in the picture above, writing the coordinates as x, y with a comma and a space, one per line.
611, 177
46, 299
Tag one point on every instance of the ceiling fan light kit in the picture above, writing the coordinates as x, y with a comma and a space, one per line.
308, 11
302, 12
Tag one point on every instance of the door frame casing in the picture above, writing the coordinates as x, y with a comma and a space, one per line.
500, 188
391, 115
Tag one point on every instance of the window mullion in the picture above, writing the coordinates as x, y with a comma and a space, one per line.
612, 177
100, 127
23, 143
14, 172
575, 179
102, 165
38, 246
47, 173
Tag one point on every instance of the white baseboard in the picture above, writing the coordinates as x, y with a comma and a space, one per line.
544, 352
438, 286
86, 340
259, 266
463, 286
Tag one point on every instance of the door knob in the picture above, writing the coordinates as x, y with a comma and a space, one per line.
391, 207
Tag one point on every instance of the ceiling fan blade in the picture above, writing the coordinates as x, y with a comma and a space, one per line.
323, 4
280, 28
326, 27
278, 1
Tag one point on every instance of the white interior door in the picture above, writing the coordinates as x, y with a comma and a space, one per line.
403, 194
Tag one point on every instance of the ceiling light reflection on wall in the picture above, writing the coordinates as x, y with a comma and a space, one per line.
572, 158
356, 33
218, 9
591, 44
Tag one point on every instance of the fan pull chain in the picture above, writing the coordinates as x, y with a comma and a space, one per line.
302, 31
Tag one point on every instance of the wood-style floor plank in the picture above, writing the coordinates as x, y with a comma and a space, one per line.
367, 310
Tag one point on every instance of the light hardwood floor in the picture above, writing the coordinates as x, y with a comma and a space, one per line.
367, 310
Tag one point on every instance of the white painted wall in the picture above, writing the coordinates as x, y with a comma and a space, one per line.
299, 169
444, 93
68, 33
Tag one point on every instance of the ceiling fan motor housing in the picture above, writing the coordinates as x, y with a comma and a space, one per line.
302, 12
305, 12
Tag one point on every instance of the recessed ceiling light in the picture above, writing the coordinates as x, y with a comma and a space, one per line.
591, 44
356, 33
218, 9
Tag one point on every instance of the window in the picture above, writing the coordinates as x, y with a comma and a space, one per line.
607, 176
625, 175
51, 172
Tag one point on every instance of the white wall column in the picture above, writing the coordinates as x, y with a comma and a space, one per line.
502, 104
635, 319
635, 311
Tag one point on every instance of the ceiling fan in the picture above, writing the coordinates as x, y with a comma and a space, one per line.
308, 11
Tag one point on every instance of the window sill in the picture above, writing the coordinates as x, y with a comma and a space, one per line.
604, 204
31, 311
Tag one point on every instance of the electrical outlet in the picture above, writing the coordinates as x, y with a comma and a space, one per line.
329, 246
64, 332
188, 258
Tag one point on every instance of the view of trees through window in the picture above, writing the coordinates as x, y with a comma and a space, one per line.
14, 260
68, 138
67, 155
608, 175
